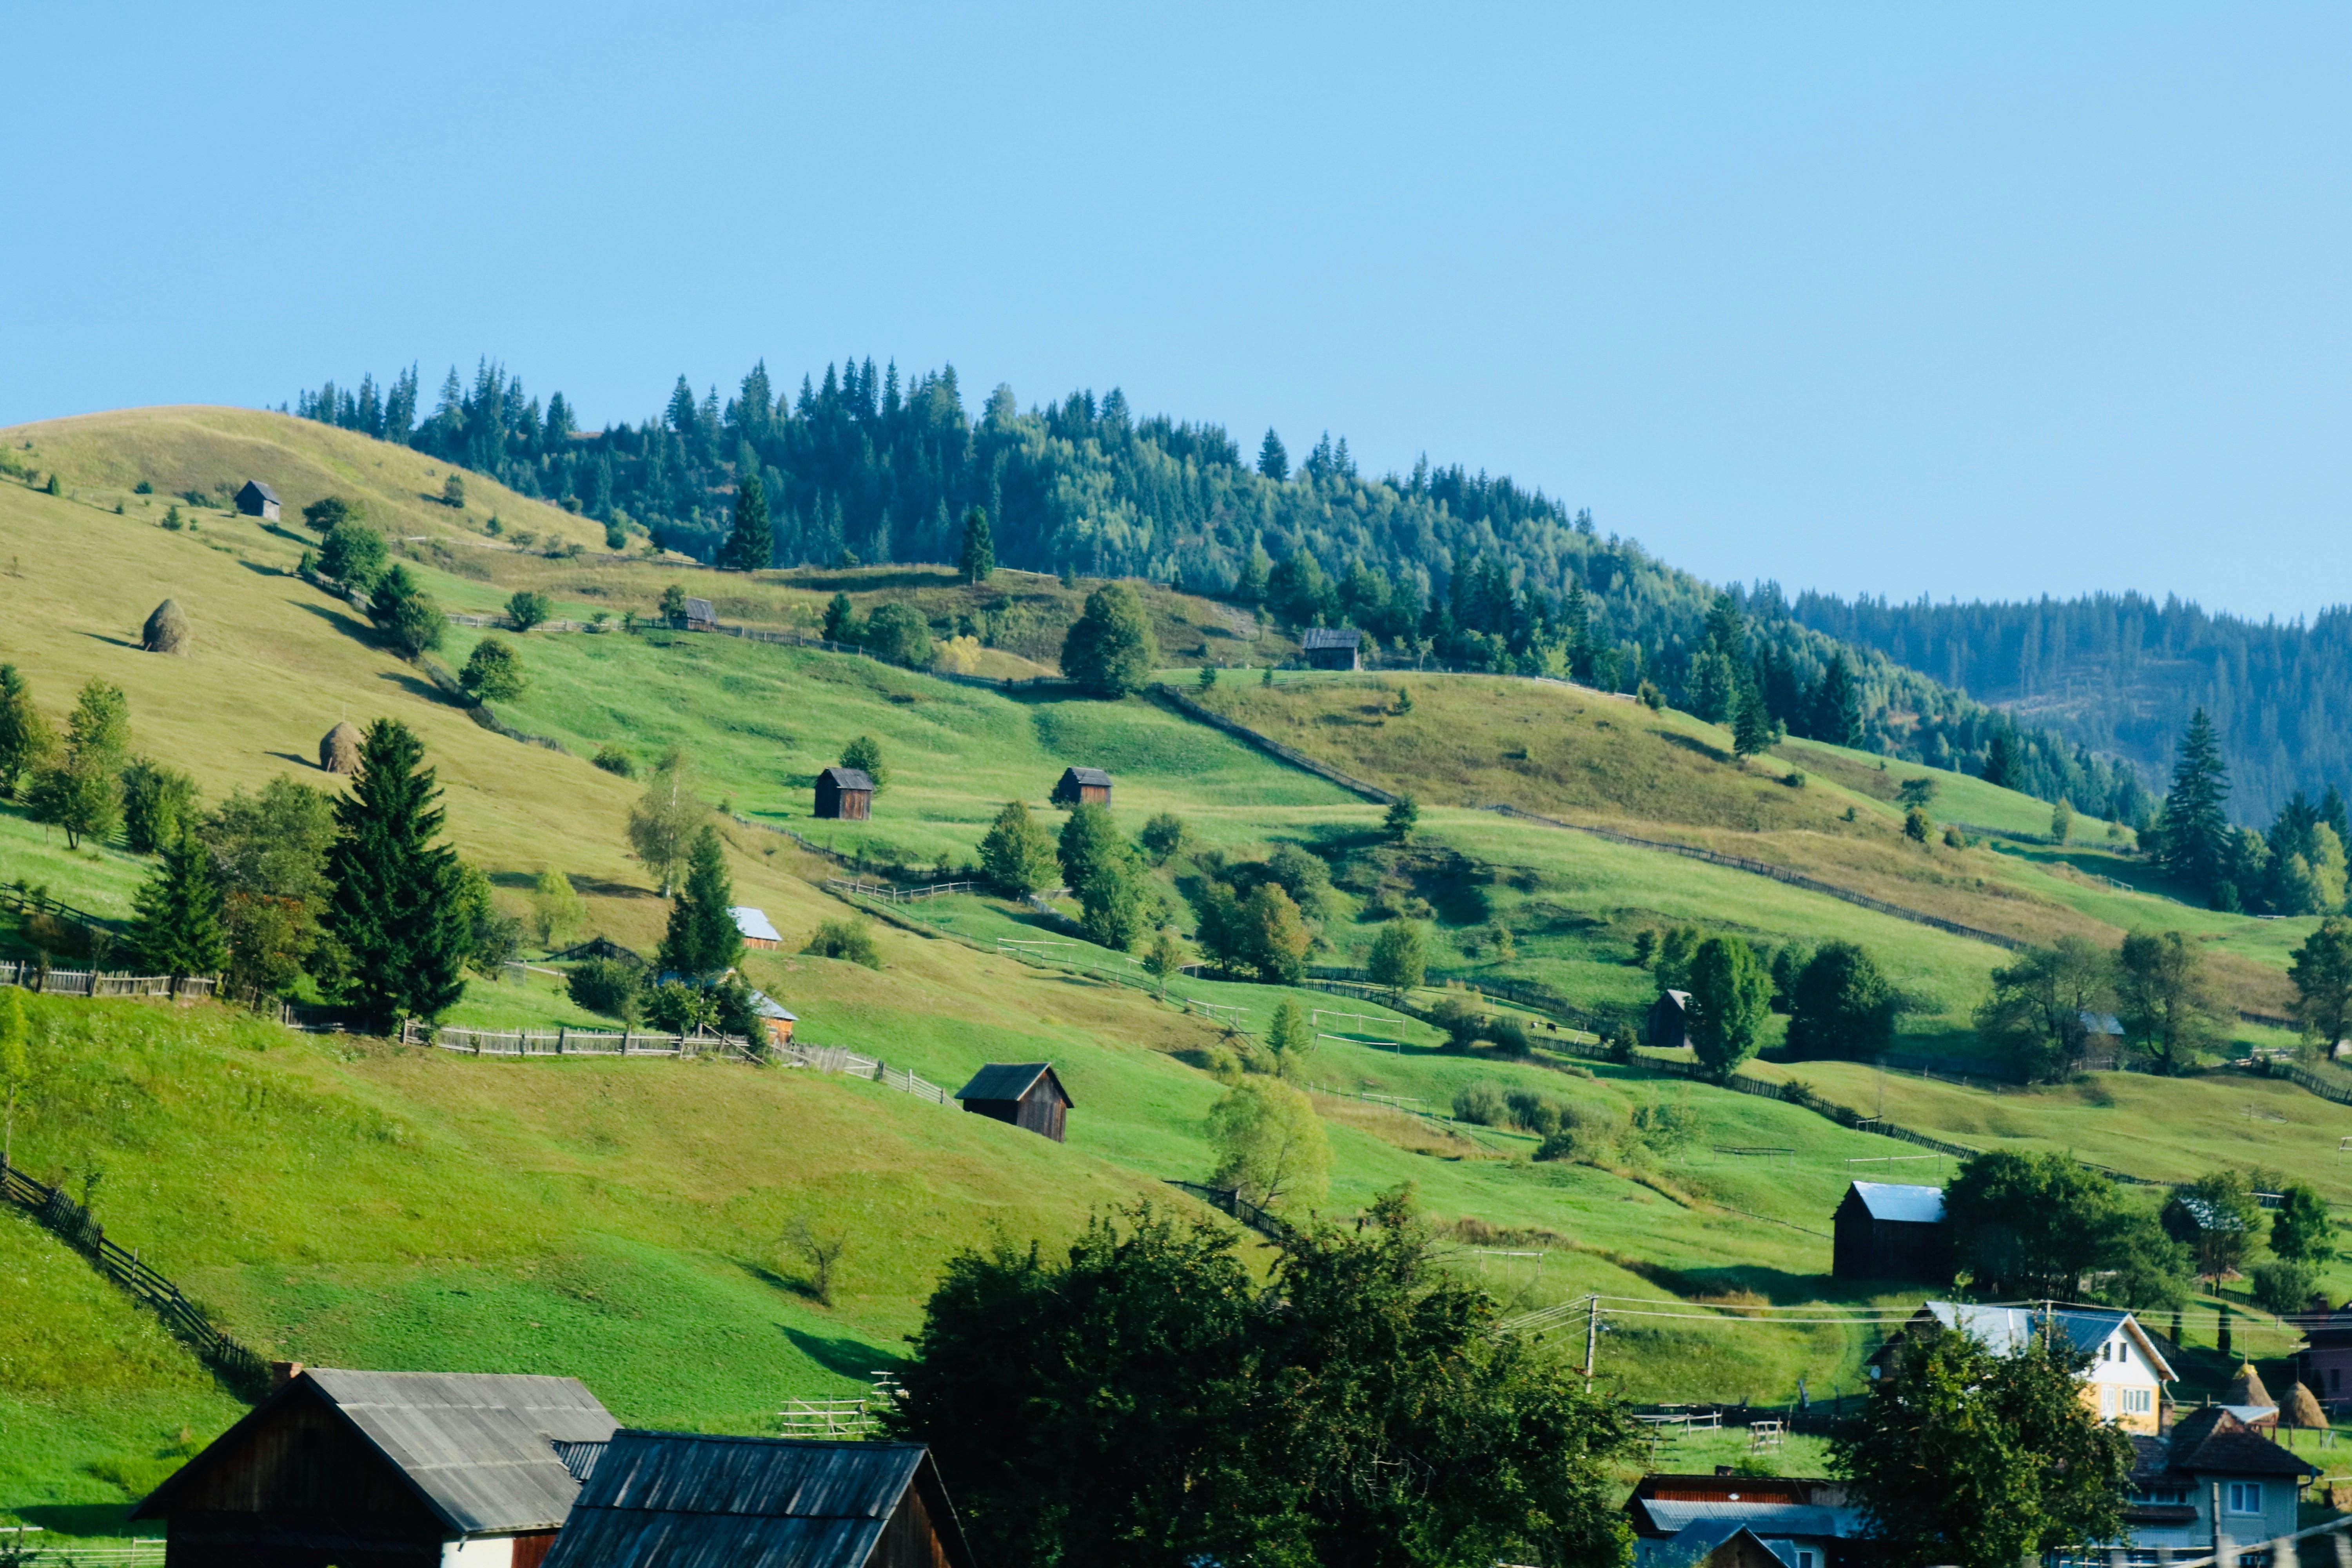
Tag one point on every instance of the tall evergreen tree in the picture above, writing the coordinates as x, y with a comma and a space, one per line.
179, 909
395, 904
2196, 832
703, 939
1273, 457
978, 560
1837, 706
752, 546
2002, 763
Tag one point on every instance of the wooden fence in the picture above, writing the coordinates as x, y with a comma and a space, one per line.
898, 895
35, 976
841, 1060
574, 1043
24, 901
1230, 1200
75, 1226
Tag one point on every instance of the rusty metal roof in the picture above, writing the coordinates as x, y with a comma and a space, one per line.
1012, 1080
686, 1500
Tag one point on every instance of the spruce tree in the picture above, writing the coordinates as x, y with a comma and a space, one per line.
2196, 832
751, 547
702, 938
978, 561
179, 908
395, 906
25, 738
2002, 765
1273, 457
1837, 707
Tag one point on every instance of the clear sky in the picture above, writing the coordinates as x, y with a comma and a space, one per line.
1979, 300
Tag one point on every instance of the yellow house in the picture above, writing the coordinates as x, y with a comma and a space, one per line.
2124, 1381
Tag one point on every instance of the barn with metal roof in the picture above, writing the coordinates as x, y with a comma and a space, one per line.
1082, 786
386, 1468
1886, 1230
1026, 1094
684, 1499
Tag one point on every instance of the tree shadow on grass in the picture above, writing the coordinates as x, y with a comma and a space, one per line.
297, 759
415, 687
845, 1357
112, 642
1693, 743
87, 1519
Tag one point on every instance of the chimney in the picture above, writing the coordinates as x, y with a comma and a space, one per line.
282, 1372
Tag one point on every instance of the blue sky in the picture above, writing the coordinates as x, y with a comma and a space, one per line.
1993, 301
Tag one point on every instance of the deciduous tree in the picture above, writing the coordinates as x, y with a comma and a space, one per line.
2034, 1012
81, 790
2164, 997
1017, 854
1731, 996
1109, 650
663, 820
1270, 1146
1840, 1005
2322, 972
26, 740
1400, 956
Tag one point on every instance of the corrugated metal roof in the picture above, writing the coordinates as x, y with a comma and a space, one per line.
699, 610
1763, 1517
768, 1006
848, 778
266, 493
2007, 1330
1011, 1081
753, 924
1330, 636
1094, 776
682, 1500
1894, 1200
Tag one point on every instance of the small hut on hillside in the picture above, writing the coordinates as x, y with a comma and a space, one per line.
700, 616
1025, 1094
757, 929
1083, 786
257, 500
1886, 1230
845, 795
167, 630
1668, 1025
339, 750
1331, 647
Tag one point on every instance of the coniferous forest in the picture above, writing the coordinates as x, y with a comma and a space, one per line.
1442, 565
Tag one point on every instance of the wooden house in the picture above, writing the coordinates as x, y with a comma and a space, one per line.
257, 500
844, 794
780, 1022
2123, 1383
386, 1469
1740, 1521
755, 928
2212, 1481
1331, 647
1667, 1027
1083, 786
699, 616
682, 1500
1026, 1094
2328, 1356
1886, 1231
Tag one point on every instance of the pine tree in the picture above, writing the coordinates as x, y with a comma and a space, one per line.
1752, 730
2002, 765
1273, 457
752, 546
2196, 832
395, 904
978, 561
703, 939
1837, 707
178, 932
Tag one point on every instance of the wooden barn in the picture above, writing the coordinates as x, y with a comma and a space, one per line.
757, 929
700, 616
385, 1469
779, 1020
257, 500
1331, 647
1668, 1025
844, 794
682, 1500
1026, 1094
1887, 1231
1083, 786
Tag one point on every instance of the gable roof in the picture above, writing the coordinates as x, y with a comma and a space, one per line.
753, 924
700, 610
2205, 1216
2005, 1331
2100, 1022
1013, 1080
684, 1499
1086, 776
1894, 1200
478, 1449
2207, 1442
266, 493
768, 1006
1314, 638
848, 778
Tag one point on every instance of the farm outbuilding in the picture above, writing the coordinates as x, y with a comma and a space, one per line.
386, 1469
755, 927
1331, 647
683, 1500
779, 1020
1888, 1231
1083, 786
338, 749
1668, 1025
700, 616
1026, 1094
257, 500
845, 795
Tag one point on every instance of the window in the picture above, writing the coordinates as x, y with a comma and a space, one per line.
2136, 1400
2243, 1497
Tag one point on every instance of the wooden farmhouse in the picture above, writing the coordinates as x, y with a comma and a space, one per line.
1331, 647
386, 1469
257, 500
756, 929
1026, 1094
681, 1499
700, 616
1083, 786
2123, 1384
844, 794
1668, 1025
1886, 1231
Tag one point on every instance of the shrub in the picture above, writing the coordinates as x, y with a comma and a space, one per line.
897, 633
1621, 1044
865, 755
1455, 1016
849, 940
2283, 1287
143, 488
615, 761
494, 671
615, 537
353, 556
1651, 698
1534, 1112
1557, 1146
1162, 836
606, 985
330, 513
453, 492
680, 1009
1481, 1104
527, 609
1507, 1035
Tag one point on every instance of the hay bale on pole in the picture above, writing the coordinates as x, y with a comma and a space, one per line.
167, 630
2301, 1409
339, 752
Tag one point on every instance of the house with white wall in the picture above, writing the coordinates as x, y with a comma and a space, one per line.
2124, 1382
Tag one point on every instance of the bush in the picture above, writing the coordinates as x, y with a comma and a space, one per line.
677, 1008
865, 755
527, 609
494, 671
850, 940
352, 556
1162, 836
615, 761
615, 537
1455, 1016
1507, 1035
897, 633
606, 985
1481, 1103
1533, 1112
1557, 1146
1621, 1044
2282, 1287
329, 514
453, 492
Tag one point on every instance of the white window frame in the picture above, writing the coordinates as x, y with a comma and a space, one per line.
2133, 1401
2242, 1499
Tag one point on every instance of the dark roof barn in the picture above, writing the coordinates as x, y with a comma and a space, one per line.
1025, 1094
257, 500
1885, 1230
681, 1499
699, 615
1668, 1026
844, 794
1083, 786
1330, 647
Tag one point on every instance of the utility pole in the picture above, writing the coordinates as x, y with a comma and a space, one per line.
1591, 1337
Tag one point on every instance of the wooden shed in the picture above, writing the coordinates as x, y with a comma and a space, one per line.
1667, 1027
700, 616
779, 1020
1083, 786
257, 500
1331, 647
1026, 1094
844, 794
756, 929
386, 1469
684, 1499
1885, 1230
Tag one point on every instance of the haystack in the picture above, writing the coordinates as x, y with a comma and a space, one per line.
2246, 1388
167, 630
2301, 1409
340, 751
